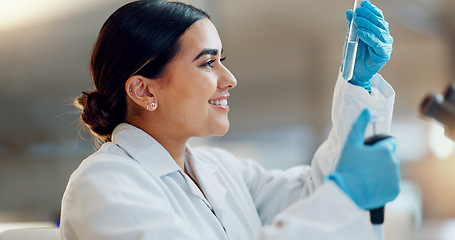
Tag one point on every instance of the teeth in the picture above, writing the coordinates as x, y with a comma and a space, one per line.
223, 102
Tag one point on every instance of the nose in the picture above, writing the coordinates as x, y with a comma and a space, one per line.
226, 79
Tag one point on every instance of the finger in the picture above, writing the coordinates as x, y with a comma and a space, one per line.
373, 18
381, 55
358, 128
378, 12
372, 40
379, 51
368, 25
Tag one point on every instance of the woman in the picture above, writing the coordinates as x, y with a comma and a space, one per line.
159, 80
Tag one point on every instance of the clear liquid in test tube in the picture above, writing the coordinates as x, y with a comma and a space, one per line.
350, 51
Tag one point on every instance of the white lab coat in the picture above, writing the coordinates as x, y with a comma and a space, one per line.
131, 188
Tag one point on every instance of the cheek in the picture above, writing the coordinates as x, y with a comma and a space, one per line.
191, 88
202, 87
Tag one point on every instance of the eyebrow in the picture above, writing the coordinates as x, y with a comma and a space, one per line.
208, 52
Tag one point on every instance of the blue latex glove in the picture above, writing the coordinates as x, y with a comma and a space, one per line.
370, 175
375, 43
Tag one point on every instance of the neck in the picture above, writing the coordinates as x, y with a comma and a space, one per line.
175, 148
172, 140
175, 145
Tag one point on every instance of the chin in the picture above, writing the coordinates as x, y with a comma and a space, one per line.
221, 134
222, 130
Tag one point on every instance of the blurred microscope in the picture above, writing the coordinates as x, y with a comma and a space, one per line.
441, 107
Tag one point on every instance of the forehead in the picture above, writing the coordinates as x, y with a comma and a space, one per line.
201, 35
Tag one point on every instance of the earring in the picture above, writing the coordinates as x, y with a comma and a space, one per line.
131, 91
151, 106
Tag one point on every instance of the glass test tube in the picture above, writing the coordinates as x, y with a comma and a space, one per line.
350, 51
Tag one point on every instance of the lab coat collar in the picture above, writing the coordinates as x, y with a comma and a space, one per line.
206, 172
153, 156
144, 149
198, 166
157, 160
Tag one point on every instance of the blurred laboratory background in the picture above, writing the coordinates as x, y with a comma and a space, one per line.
285, 55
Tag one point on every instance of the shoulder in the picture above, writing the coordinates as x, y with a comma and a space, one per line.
107, 160
108, 170
110, 183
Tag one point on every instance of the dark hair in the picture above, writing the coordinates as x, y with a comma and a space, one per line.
140, 38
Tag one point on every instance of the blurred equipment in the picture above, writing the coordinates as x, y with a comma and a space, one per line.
31, 234
442, 109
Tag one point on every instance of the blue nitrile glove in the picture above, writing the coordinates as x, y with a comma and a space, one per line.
375, 43
369, 174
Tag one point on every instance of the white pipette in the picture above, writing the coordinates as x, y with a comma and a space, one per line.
377, 214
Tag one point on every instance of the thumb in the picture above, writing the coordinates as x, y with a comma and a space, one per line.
358, 128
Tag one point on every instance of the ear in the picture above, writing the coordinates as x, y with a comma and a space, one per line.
141, 91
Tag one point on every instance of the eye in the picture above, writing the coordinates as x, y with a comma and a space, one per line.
208, 63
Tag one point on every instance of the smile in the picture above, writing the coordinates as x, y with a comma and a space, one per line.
222, 102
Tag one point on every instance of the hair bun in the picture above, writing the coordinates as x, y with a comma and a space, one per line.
95, 114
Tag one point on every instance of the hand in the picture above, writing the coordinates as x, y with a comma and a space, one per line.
370, 175
375, 43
